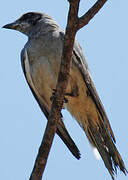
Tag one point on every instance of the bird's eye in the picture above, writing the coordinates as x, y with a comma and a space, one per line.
26, 17
31, 18
35, 20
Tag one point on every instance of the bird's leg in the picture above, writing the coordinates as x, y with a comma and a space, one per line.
74, 93
53, 94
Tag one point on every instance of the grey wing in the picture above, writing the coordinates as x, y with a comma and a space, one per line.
42, 105
83, 67
81, 63
61, 129
101, 136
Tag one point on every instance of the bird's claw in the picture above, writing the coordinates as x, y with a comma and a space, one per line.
53, 94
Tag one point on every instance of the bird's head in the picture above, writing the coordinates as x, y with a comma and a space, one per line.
26, 22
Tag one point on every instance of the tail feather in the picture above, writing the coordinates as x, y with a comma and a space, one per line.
64, 135
98, 143
101, 139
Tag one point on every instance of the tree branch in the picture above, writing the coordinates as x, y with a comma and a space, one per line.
73, 25
84, 20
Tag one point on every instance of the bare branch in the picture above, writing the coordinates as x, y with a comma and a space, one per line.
84, 20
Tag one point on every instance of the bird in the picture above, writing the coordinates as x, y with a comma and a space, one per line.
40, 59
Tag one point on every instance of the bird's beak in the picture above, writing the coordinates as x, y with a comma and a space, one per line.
13, 25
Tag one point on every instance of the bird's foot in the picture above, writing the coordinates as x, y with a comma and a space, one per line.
53, 94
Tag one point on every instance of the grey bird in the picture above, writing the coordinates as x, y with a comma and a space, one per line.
40, 58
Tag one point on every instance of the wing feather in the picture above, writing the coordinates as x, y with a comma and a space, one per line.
83, 67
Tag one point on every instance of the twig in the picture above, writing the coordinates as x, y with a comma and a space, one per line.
73, 25
84, 20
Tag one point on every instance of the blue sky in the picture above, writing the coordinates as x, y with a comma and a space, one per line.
105, 44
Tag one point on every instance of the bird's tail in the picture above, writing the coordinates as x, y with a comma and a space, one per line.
64, 135
101, 139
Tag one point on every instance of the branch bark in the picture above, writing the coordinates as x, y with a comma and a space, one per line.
73, 25
84, 20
